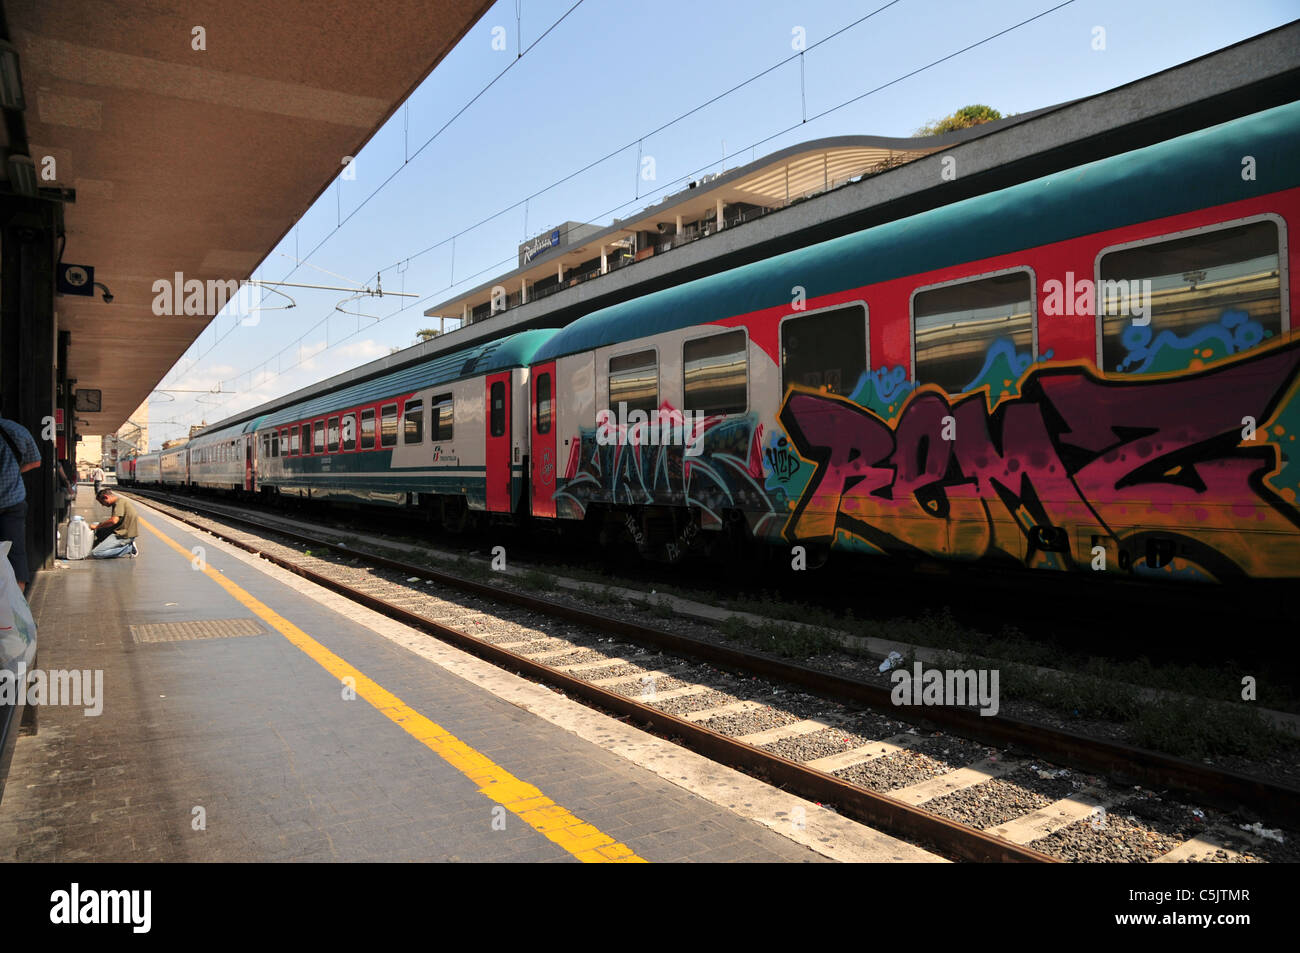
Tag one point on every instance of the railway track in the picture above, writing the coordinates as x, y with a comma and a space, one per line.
977, 788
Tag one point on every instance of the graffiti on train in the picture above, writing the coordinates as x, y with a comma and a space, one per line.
718, 465
1070, 461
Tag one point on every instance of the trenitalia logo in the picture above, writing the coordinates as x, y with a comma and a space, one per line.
659, 428
77, 906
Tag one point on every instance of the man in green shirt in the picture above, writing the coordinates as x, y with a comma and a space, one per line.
115, 536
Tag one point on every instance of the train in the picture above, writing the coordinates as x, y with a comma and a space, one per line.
1093, 371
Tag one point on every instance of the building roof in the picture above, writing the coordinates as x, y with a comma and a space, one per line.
1100, 195
770, 182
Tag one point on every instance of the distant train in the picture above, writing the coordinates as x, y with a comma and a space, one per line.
1092, 371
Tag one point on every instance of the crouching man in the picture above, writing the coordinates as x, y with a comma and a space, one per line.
115, 536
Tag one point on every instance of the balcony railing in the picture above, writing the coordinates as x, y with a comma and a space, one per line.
689, 233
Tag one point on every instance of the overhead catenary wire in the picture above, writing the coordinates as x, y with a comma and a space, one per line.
404, 263
340, 222
586, 168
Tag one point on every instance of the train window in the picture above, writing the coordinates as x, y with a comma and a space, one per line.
349, 431
293, 441
413, 421
275, 443
368, 429
544, 403
388, 425
716, 373
497, 397
284, 442
1209, 295
332, 431
318, 437
825, 350
441, 416
974, 332
634, 380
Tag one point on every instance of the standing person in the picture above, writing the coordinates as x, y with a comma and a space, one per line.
18, 454
67, 489
97, 475
115, 536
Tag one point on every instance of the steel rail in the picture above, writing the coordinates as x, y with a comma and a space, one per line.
878, 810
1226, 789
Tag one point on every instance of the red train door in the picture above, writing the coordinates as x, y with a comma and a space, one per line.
543, 440
498, 443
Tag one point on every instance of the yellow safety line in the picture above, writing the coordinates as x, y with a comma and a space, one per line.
582, 840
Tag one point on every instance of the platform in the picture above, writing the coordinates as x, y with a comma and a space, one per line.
226, 734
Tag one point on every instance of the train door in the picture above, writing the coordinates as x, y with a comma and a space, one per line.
248, 462
498, 443
543, 440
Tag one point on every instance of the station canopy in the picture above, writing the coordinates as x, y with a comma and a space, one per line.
199, 161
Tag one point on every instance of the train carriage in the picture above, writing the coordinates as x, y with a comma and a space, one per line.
1093, 370
445, 434
147, 470
223, 460
174, 467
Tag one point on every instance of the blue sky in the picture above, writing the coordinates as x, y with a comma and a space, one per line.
607, 75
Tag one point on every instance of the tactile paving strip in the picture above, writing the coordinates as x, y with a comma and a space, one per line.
196, 629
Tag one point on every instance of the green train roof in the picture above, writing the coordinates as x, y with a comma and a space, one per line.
1148, 183
226, 433
517, 350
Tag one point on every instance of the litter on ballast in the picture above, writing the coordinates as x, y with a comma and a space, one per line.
1260, 830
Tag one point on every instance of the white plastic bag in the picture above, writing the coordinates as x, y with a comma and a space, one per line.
81, 538
17, 627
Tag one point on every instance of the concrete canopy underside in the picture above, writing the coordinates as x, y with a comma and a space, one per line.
199, 162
